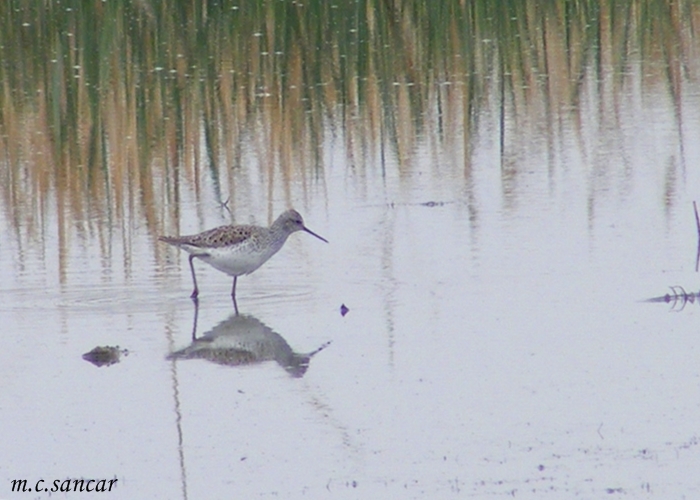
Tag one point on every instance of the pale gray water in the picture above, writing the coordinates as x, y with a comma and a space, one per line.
495, 342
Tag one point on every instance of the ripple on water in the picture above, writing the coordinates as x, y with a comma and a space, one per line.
97, 298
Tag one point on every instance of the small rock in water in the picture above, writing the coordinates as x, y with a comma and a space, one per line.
104, 355
343, 310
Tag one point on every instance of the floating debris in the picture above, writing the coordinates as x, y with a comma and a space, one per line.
343, 310
678, 299
105, 355
429, 204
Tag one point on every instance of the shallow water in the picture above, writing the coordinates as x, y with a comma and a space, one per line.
497, 341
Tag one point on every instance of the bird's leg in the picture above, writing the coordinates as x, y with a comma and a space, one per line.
195, 292
194, 322
233, 294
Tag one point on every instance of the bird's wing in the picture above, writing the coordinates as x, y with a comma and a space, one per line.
218, 237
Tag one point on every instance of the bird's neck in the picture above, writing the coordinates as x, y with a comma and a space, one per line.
278, 232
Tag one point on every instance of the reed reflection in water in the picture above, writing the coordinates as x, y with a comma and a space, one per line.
115, 116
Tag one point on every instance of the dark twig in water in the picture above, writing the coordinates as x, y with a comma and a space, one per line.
697, 225
224, 204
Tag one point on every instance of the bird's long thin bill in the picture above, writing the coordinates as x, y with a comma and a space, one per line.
314, 234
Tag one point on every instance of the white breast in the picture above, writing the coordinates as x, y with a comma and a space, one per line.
238, 260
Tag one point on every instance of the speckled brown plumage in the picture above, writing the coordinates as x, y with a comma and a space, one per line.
222, 236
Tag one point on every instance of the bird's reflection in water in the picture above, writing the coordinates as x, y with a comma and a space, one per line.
245, 340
